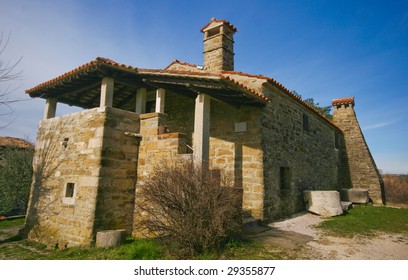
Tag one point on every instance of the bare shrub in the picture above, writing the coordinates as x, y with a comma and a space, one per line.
193, 208
396, 188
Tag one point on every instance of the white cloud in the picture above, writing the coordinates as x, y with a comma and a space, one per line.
381, 124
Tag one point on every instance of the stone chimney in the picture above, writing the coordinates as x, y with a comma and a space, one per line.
363, 170
219, 45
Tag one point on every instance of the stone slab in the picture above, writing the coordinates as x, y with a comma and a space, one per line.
355, 195
323, 203
110, 238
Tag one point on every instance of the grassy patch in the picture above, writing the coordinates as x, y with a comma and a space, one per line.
12, 223
137, 249
368, 221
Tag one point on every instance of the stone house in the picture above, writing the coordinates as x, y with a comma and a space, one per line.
89, 165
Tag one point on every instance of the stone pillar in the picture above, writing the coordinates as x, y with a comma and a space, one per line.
141, 101
50, 108
363, 170
160, 97
201, 141
107, 92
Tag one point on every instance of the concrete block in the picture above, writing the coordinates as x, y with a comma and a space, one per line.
323, 203
110, 238
355, 195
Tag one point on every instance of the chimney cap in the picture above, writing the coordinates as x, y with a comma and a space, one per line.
217, 22
343, 101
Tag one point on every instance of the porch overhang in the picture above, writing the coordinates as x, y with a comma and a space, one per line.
82, 86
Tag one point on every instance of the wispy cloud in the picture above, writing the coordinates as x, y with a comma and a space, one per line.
381, 124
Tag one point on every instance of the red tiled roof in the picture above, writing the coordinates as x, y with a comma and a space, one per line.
245, 75
179, 72
233, 28
264, 98
94, 63
281, 87
15, 143
223, 75
341, 101
176, 61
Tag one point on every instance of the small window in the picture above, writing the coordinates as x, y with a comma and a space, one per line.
69, 194
305, 122
69, 190
336, 140
284, 178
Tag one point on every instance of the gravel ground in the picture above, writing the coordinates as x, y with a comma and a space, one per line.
316, 245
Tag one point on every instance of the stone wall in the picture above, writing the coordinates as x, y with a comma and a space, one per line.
299, 147
155, 149
362, 168
117, 181
74, 150
219, 53
237, 153
179, 111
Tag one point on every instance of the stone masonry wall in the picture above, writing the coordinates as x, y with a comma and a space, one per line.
306, 151
238, 155
154, 150
67, 151
116, 193
218, 53
180, 114
80, 148
363, 170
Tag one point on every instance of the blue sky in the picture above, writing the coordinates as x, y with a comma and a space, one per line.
321, 49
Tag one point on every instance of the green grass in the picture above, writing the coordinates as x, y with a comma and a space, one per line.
361, 220
135, 249
368, 221
12, 223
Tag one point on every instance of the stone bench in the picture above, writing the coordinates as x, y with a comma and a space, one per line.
323, 203
355, 195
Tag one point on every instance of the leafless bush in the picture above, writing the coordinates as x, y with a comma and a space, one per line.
194, 209
396, 188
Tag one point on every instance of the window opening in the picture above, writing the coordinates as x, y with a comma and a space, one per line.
284, 178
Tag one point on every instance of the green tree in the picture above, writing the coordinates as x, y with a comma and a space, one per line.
325, 110
15, 178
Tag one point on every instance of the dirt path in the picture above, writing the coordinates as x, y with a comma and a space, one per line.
300, 235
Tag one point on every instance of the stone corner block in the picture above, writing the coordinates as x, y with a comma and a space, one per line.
355, 195
110, 238
323, 203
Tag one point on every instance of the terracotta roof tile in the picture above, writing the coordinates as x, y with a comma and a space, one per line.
176, 61
253, 92
15, 143
341, 101
224, 75
179, 72
94, 63
232, 27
